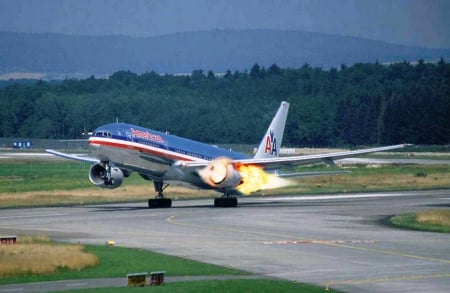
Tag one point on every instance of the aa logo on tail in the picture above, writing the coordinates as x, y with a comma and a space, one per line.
271, 144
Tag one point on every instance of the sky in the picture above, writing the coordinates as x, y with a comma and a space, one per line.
424, 23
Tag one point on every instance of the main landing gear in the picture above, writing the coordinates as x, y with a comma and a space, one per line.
159, 201
226, 201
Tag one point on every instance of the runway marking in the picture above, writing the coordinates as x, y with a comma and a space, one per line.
322, 242
319, 242
343, 196
76, 284
385, 279
33, 216
397, 253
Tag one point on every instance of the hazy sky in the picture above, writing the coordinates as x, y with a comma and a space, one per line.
409, 22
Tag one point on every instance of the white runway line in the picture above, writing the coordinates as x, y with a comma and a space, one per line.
344, 196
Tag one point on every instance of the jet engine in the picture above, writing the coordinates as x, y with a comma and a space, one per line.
105, 176
220, 173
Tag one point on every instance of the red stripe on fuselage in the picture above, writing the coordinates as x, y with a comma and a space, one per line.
122, 145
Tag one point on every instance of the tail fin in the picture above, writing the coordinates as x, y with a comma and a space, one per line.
271, 142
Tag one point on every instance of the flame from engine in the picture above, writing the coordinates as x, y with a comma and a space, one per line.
254, 178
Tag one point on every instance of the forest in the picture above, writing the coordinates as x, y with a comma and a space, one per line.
362, 104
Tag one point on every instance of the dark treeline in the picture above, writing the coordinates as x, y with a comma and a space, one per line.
365, 104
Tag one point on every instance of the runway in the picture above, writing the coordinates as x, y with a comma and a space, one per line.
334, 241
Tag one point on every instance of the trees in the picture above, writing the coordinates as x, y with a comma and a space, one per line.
359, 104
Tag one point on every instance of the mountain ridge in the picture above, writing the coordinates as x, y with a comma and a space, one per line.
218, 50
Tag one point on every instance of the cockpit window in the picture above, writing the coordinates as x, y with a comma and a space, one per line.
103, 134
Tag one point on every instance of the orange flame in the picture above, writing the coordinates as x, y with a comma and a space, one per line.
254, 178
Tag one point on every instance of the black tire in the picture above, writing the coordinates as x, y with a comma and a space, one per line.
167, 202
156, 203
226, 202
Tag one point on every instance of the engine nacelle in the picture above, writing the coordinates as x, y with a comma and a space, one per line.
220, 173
98, 175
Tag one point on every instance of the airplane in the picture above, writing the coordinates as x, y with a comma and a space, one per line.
119, 149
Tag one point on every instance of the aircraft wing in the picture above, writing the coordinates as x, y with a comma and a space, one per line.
278, 162
74, 157
308, 159
311, 174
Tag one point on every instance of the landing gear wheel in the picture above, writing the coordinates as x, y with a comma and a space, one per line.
160, 201
226, 202
155, 203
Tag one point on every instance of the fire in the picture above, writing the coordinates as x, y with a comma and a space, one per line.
221, 173
254, 178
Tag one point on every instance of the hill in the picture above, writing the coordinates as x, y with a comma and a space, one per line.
184, 52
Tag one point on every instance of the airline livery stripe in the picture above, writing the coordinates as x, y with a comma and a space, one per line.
140, 147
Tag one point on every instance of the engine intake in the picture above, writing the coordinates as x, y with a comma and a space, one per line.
220, 173
98, 175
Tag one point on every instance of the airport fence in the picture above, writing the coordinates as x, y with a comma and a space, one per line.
30, 144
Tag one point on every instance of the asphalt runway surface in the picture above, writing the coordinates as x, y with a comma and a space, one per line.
335, 241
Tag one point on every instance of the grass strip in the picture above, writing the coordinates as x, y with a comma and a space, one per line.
45, 183
261, 285
119, 261
429, 220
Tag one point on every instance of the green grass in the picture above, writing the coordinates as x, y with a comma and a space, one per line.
381, 178
66, 183
220, 286
119, 261
410, 221
22, 176
358, 170
40, 176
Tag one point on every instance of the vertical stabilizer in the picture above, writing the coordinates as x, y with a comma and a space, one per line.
271, 142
